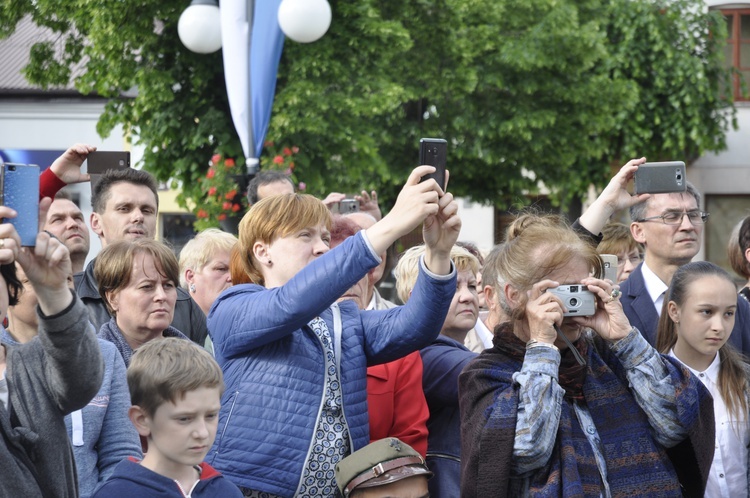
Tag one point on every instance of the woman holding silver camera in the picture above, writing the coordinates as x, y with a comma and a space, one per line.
573, 405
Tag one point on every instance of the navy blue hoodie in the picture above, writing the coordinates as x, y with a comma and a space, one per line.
133, 479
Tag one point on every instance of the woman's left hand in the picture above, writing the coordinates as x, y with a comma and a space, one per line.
609, 320
440, 232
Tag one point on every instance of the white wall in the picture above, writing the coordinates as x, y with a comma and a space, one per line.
57, 126
477, 224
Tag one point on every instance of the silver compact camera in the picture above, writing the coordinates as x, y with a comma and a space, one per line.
348, 206
578, 300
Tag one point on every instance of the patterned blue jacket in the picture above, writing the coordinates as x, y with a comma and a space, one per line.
273, 364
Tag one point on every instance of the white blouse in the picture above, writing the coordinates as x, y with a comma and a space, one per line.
728, 475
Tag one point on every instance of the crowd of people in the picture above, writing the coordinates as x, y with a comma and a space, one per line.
269, 364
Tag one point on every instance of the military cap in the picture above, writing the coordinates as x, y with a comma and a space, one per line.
381, 462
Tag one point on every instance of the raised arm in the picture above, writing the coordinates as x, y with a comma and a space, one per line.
73, 362
613, 198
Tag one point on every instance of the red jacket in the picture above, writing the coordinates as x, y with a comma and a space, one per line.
396, 402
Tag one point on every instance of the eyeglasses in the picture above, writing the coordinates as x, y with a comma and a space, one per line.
675, 218
634, 259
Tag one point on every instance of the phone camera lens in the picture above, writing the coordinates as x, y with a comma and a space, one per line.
12, 168
679, 177
122, 162
573, 302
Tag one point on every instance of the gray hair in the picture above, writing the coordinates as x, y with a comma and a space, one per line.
638, 211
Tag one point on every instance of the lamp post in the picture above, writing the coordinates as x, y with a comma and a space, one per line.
252, 40
199, 27
304, 21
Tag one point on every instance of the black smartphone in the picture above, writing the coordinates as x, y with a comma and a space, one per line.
661, 177
100, 161
434, 152
20, 191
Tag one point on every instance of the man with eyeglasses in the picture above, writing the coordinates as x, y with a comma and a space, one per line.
669, 226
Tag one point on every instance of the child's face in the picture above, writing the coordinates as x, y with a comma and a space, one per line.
181, 433
705, 320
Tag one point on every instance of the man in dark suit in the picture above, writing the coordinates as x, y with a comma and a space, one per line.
669, 226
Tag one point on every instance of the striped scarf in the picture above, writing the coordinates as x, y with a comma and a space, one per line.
636, 464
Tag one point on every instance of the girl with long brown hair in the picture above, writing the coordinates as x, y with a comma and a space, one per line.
695, 324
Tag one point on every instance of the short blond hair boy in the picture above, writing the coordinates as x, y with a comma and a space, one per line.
175, 388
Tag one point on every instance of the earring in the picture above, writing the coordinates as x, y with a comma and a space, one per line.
192, 288
269, 262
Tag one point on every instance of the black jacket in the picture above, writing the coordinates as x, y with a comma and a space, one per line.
188, 317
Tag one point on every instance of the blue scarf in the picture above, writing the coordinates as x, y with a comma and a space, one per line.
637, 465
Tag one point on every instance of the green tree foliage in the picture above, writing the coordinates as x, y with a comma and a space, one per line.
550, 90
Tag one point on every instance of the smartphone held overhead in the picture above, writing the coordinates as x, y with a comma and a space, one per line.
101, 161
434, 152
98, 162
20, 191
660, 177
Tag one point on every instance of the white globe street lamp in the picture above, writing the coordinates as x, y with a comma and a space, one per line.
199, 27
304, 21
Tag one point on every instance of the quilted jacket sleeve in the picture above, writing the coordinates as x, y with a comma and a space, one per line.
394, 333
249, 316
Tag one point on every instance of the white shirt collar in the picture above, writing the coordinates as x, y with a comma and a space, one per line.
712, 372
654, 286
485, 335
373, 302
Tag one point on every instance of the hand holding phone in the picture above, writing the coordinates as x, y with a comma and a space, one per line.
433, 152
20, 191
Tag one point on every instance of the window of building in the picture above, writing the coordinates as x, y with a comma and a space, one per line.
737, 50
177, 229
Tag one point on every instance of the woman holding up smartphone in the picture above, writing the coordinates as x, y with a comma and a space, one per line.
294, 361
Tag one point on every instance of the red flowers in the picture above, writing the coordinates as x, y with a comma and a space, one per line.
222, 197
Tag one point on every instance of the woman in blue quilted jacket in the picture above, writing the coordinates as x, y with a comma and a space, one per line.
294, 361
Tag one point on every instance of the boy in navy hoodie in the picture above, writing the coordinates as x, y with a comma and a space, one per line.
175, 388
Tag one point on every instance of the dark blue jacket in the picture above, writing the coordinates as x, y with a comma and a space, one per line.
640, 310
443, 361
274, 367
131, 479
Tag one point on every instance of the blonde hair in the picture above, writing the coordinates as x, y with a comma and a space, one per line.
616, 238
274, 217
407, 269
199, 250
164, 370
115, 263
537, 245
